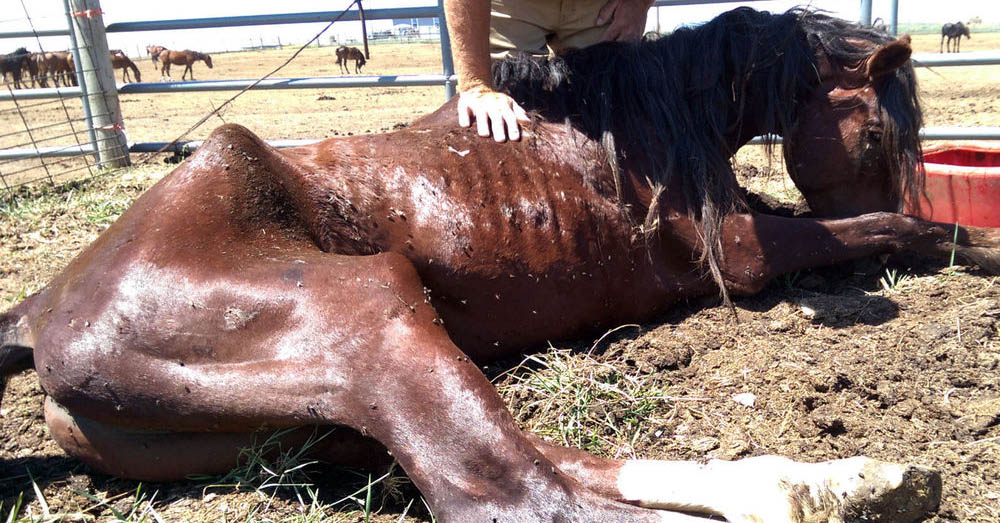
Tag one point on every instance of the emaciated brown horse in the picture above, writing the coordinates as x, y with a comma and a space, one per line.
344, 54
353, 283
120, 61
187, 58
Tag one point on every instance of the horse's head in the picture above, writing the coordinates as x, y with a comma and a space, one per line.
208, 60
854, 147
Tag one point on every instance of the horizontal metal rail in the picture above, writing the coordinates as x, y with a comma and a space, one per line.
956, 59
920, 60
321, 82
239, 21
928, 133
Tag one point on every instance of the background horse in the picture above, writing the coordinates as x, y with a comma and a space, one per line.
345, 53
187, 58
348, 283
56, 65
953, 32
12, 63
120, 61
154, 53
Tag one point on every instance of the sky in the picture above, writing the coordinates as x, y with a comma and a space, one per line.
49, 14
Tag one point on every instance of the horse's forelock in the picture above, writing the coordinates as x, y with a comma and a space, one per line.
848, 44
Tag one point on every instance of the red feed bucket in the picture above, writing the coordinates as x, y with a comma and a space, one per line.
963, 185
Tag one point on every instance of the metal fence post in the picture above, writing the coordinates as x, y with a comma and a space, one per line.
866, 12
446, 61
93, 65
894, 18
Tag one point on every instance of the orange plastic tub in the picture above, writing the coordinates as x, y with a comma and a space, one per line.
963, 184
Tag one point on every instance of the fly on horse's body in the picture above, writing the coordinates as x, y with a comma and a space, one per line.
187, 58
345, 53
353, 283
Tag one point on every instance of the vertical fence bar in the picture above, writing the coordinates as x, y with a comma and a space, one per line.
866, 12
94, 64
894, 18
446, 61
364, 28
75, 49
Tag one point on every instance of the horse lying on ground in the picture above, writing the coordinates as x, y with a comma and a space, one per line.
120, 61
953, 32
13, 63
187, 58
344, 54
352, 283
56, 65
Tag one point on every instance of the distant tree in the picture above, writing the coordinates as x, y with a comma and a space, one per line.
975, 20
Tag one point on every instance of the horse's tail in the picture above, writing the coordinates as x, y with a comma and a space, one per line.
16, 352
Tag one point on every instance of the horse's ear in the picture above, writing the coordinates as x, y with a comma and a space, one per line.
889, 57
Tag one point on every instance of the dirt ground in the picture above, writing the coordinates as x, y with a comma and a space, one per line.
899, 361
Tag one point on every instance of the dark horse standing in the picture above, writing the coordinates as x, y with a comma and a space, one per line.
345, 53
350, 284
953, 32
13, 63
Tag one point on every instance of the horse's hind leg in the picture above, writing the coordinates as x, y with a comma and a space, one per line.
765, 488
291, 337
151, 455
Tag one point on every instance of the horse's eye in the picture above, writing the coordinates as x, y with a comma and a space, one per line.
875, 134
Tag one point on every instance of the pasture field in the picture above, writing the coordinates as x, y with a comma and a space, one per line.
897, 359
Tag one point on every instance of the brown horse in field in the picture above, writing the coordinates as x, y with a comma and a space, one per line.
56, 65
154, 53
187, 58
352, 283
345, 53
120, 61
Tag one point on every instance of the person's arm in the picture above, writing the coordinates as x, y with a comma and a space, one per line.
628, 19
469, 29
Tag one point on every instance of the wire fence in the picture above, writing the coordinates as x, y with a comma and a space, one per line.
56, 125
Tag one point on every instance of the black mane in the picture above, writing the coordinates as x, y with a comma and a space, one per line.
680, 104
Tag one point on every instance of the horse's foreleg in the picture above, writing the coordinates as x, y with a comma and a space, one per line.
760, 247
766, 488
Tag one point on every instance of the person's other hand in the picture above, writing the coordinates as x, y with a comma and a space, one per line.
628, 19
491, 109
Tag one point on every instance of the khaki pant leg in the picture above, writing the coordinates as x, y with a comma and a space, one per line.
578, 25
523, 25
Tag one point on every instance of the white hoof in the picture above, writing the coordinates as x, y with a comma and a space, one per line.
846, 490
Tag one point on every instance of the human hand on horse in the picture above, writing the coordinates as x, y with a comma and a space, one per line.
628, 19
494, 111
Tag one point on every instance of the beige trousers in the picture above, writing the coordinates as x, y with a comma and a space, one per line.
543, 26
